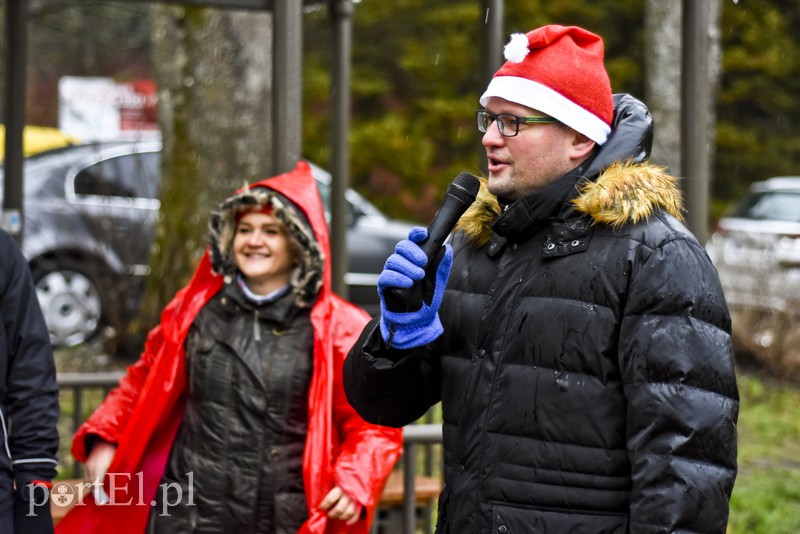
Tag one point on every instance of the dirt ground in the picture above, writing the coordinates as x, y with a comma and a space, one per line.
89, 357
771, 340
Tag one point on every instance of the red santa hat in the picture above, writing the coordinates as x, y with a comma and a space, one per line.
559, 71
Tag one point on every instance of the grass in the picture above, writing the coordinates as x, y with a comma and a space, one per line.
766, 497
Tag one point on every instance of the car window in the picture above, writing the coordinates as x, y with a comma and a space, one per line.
770, 205
128, 176
353, 212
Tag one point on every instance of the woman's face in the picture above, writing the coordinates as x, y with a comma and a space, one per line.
261, 252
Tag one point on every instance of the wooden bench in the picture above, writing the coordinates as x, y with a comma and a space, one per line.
426, 490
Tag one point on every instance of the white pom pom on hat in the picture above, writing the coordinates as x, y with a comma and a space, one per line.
559, 71
517, 48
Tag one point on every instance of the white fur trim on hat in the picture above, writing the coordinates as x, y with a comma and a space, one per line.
541, 98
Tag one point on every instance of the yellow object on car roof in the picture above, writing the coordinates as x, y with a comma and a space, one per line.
36, 139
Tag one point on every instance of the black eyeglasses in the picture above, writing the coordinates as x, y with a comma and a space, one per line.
507, 124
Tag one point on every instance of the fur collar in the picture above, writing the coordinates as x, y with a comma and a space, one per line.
624, 192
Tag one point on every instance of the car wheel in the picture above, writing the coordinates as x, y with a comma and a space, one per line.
71, 302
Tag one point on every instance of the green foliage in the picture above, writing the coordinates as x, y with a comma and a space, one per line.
758, 111
411, 57
416, 79
415, 85
620, 23
416, 73
766, 496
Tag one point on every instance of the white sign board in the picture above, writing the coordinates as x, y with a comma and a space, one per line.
99, 109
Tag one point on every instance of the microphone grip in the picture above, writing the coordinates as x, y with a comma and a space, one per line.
405, 299
460, 195
438, 230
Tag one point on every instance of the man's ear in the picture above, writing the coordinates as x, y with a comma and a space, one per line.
581, 146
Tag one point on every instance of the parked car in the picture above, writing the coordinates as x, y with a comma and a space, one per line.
756, 248
90, 218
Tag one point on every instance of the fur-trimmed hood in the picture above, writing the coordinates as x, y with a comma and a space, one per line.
624, 192
629, 192
306, 276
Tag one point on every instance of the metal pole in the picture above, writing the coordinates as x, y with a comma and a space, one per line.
409, 500
694, 116
491, 31
342, 19
413, 435
287, 85
16, 47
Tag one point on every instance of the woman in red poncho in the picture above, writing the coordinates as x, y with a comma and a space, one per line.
234, 419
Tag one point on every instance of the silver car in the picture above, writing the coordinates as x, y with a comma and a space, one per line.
756, 249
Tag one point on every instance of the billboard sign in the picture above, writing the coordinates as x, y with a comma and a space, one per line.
100, 109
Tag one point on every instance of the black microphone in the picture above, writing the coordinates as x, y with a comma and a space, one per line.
460, 195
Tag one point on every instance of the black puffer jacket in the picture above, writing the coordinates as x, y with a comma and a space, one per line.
585, 370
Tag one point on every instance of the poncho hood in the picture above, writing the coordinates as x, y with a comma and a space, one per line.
306, 276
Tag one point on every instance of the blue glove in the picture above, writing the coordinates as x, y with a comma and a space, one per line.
411, 294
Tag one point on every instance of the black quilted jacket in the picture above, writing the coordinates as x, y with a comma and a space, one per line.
28, 397
243, 431
585, 371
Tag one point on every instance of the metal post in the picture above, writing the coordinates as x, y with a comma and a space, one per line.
492, 34
694, 116
287, 85
409, 500
77, 419
16, 47
414, 435
342, 19
492, 39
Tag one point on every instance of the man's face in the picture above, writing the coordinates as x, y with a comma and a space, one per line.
536, 157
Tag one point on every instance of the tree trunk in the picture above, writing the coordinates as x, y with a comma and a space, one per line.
663, 43
213, 70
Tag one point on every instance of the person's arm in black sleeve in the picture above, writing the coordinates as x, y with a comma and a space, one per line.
31, 403
391, 375
386, 386
679, 374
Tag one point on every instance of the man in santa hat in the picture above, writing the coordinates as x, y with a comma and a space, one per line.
581, 351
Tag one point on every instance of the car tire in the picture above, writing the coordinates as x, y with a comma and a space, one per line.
73, 299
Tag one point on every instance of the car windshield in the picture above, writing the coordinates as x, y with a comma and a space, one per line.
770, 205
